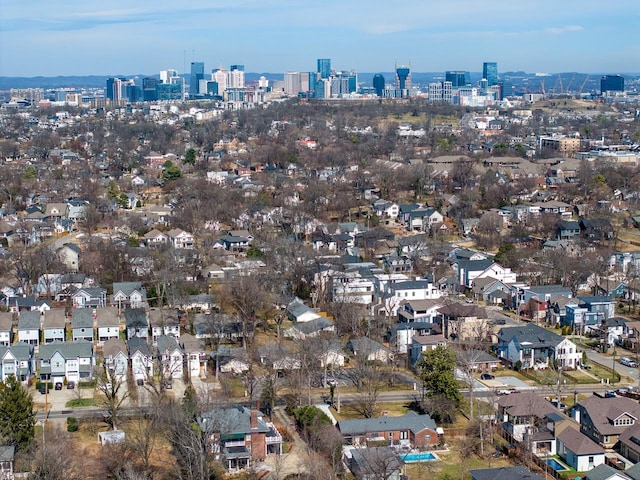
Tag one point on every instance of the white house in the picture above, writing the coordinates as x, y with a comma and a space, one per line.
579, 451
29, 327
116, 359
170, 357
180, 239
196, 356
108, 324
141, 359
6, 328
129, 294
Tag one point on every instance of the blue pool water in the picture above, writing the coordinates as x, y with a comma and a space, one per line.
553, 463
418, 457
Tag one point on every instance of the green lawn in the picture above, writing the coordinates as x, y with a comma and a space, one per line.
81, 402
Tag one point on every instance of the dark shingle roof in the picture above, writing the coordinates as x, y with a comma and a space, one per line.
504, 473
410, 421
578, 443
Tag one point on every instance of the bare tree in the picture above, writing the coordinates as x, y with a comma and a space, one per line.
111, 398
52, 462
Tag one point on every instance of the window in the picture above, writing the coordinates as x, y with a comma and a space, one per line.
404, 435
427, 437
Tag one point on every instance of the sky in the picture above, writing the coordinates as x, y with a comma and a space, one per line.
118, 37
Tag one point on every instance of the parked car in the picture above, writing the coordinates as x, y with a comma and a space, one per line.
140, 382
71, 385
487, 376
43, 388
627, 362
168, 385
58, 386
506, 391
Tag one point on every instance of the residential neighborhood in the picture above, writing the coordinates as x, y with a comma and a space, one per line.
314, 289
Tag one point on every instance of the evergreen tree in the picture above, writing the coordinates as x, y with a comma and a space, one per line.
17, 418
189, 157
437, 373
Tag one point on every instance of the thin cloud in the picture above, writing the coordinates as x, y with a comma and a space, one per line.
565, 29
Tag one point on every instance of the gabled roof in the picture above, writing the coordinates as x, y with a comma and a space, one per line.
365, 345
127, 288
533, 335
606, 472
521, 404
82, 318
312, 326
6, 321
29, 320
162, 317
113, 347
410, 421
504, 473
603, 411
167, 344
578, 443
135, 318
54, 318
229, 421
68, 350
137, 344
107, 317
20, 350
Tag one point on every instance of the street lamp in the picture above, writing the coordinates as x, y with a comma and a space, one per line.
613, 377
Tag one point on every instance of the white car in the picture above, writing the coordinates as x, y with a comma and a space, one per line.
506, 391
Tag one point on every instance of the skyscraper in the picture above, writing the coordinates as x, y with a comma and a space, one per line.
612, 83
378, 83
403, 78
197, 74
490, 72
237, 67
458, 78
324, 67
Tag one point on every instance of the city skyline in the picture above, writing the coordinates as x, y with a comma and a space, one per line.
71, 38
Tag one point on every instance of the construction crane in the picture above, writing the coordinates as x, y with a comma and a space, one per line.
570, 82
583, 84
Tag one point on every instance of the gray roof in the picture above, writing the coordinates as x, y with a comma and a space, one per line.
29, 320
7, 452
504, 473
578, 443
615, 322
20, 350
371, 460
137, 344
228, 421
314, 325
550, 289
161, 316
127, 287
410, 421
167, 344
77, 349
537, 336
135, 317
82, 318
365, 346
605, 472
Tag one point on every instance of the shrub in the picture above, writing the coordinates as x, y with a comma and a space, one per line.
72, 424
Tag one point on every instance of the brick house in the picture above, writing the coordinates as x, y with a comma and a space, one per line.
410, 429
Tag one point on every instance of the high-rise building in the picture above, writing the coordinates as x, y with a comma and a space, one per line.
441, 92
378, 83
324, 67
115, 89
458, 78
490, 72
197, 74
219, 75
149, 93
167, 75
612, 83
403, 79
235, 77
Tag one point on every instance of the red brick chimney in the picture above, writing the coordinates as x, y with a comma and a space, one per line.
254, 420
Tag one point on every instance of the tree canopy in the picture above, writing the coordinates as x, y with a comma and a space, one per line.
437, 373
17, 418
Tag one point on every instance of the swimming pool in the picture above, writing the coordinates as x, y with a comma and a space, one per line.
556, 465
419, 457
